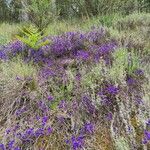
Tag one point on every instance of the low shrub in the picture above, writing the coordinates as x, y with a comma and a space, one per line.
82, 91
133, 21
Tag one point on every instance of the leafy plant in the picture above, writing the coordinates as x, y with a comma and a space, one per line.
117, 71
107, 20
124, 62
133, 62
132, 22
18, 68
41, 13
32, 38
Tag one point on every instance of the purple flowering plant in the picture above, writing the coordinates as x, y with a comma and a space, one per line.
63, 106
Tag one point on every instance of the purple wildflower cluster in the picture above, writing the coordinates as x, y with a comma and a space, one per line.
88, 128
61, 98
88, 105
107, 94
74, 45
146, 138
76, 142
37, 127
67, 43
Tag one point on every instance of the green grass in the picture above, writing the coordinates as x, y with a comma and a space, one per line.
17, 68
7, 31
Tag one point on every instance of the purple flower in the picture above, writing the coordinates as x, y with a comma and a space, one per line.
97, 57
50, 98
78, 77
3, 55
2, 147
107, 48
8, 131
144, 141
88, 128
74, 105
139, 101
60, 119
49, 130
87, 103
30, 131
18, 78
42, 106
44, 120
147, 134
111, 89
148, 122
62, 104
11, 143
67, 43
131, 81
37, 117
19, 135
139, 72
76, 142
20, 111
96, 35
16, 45
39, 132
16, 128
67, 141
106, 101
109, 116
47, 72
17, 148
82, 55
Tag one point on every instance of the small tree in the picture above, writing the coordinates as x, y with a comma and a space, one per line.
41, 12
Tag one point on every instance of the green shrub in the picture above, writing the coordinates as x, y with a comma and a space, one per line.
107, 20
17, 67
133, 21
133, 62
41, 13
118, 69
7, 32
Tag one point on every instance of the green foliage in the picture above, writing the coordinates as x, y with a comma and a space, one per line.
18, 68
107, 20
134, 62
133, 21
4, 11
121, 144
41, 13
32, 38
65, 90
124, 63
7, 31
15, 7
118, 69
93, 77
3, 39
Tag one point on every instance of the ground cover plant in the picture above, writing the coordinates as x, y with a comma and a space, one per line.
79, 90
76, 84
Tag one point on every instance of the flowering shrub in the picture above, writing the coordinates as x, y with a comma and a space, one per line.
80, 90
